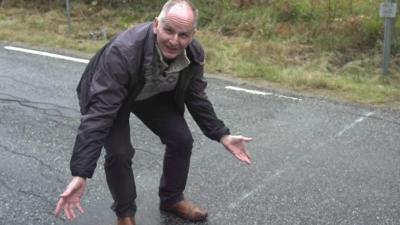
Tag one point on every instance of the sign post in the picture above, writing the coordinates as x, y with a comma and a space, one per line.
388, 11
68, 6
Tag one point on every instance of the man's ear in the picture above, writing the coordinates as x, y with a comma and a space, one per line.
155, 25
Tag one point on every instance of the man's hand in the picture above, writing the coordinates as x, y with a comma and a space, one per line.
70, 199
236, 145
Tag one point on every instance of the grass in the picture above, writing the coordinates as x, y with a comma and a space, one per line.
286, 49
42, 30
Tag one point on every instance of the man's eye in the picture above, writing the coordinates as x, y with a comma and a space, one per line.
168, 31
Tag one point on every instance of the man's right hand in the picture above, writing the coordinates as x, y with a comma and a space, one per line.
70, 199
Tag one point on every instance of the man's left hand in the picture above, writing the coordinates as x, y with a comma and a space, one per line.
236, 145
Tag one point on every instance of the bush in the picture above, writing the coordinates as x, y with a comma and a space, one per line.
295, 11
372, 31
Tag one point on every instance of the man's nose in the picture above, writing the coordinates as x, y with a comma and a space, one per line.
174, 39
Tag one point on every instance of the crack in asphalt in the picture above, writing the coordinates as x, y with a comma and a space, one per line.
4, 184
23, 82
60, 124
34, 105
6, 149
15, 190
49, 204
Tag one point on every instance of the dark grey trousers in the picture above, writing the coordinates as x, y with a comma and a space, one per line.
159, 114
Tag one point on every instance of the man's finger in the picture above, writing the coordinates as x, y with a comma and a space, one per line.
67, 192
243, 157
246, 156
78, 205
247, 153
60, 204
247, 139
66, 212
71, 208
247, 160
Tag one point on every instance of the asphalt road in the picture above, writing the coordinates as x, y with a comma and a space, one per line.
315, 161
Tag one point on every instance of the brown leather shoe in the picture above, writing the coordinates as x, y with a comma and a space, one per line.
185, 210
126, 221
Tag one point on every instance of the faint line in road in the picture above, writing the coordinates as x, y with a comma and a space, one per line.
261, 93
357, 121
35, 52
255, 190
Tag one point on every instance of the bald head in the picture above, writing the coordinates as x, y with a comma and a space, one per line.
175, 27
183, 9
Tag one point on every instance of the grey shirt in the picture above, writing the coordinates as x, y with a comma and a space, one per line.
164, 77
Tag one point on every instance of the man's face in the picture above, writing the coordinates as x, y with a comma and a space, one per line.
175, 32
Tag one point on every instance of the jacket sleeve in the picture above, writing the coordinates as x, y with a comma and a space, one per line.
107, 92
202, 110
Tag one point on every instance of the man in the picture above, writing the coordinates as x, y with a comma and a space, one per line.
152, 71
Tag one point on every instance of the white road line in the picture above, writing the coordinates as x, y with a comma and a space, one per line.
261, 93
47, 54
357, 121
35, 52
258, 188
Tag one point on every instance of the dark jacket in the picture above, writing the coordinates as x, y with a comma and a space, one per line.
115, 76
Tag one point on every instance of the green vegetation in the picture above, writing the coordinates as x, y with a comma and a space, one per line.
329, 47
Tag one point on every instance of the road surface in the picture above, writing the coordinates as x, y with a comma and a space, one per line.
315, 161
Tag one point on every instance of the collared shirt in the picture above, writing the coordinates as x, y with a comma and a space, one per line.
163, 77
